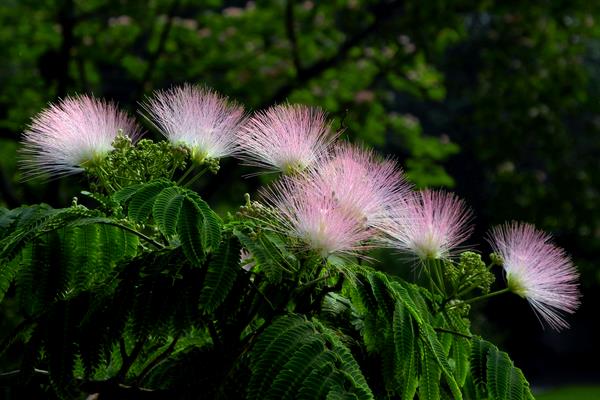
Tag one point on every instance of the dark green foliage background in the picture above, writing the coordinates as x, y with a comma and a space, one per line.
496, 100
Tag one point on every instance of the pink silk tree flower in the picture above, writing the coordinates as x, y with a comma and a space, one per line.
537, 270
315, 218
198, 118
367, 187
246, 260
431, 225
78, 131
286, 138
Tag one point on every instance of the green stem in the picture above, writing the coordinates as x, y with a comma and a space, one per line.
107, 185
437, 267
432, 284
487, 296
444, 330
312, 283
195, 178
185, 175
139, 234
319, 269
464, 288
316, 303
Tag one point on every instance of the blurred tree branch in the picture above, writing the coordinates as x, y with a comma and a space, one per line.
291, 34
382, 12
154, 55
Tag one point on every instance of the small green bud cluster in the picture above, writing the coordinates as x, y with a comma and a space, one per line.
255, 210
130, 163
212, 164
460, 307
496, 259
469, 273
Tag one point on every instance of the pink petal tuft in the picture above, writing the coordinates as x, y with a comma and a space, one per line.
199, 118
537, 270
365, 186
314, 217
285, 138
431, 225
61, 138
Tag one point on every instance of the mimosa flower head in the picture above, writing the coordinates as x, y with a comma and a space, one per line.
367, 187
315, 218
75, 132
199, 118
286, 138
538, 271
431, 225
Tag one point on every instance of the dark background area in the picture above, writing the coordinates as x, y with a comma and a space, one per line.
495, 100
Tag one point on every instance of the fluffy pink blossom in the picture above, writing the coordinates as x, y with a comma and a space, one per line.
199, 118
367, 187
64, 137
246, 260
315, 217
285, 138
431, 225
537, 270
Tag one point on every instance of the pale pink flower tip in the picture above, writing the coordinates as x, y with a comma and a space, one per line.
537, 270
199, 118
367, 187
64, 137
286, 138
314, 217
431, 225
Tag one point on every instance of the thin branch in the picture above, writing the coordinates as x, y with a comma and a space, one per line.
129, 359
109, 388
158, 359
328, 289
123, 349
444, 330
213, 333
487, 296
6, 376
311, 284
246, 341
262, 295
137, 233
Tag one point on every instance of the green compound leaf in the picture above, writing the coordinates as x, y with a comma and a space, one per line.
141, 202
437, 351
429, 384
290, 353
479, 352
167, 210
29, 222
460, 354
189, 231
320, 381
178, 213
495, 375
8, 271
262, 253
405, 351
273, 349
309, 356
210, 223
123, 195
222, 271
63, 262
